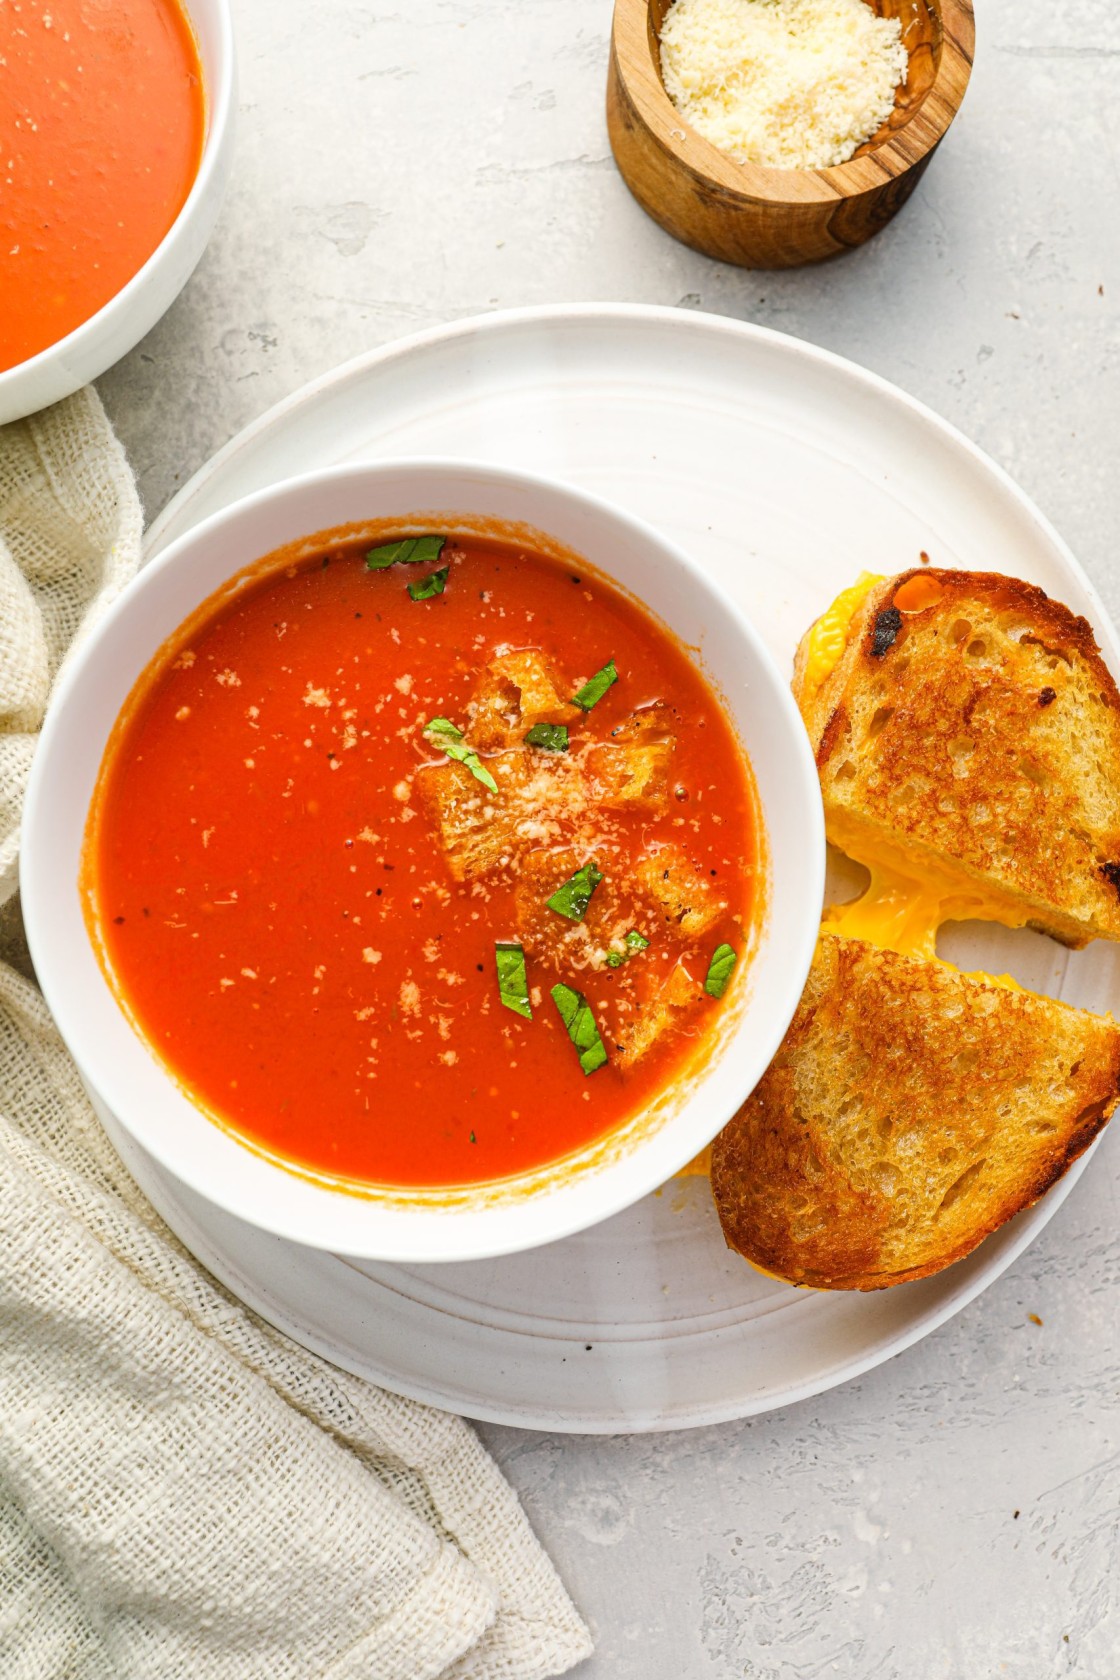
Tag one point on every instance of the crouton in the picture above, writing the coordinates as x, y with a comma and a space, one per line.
476, 830
655, 722
666, 1012
684, 900
515, 691
628, 777
553, 938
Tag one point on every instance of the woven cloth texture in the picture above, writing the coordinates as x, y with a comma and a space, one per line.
185, 1494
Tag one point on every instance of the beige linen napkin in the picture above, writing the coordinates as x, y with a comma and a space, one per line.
184, 1493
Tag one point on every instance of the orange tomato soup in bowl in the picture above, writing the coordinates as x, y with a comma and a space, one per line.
426, 863
101, 132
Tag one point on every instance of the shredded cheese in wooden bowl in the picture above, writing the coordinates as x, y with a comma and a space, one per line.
788, 84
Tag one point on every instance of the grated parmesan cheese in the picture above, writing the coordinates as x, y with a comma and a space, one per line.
789, 84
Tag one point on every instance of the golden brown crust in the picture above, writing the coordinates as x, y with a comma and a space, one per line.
516, 690
980, 733
910, 1112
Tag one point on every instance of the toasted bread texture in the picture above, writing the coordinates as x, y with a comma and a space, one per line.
910, 1111
971, 726
516, 690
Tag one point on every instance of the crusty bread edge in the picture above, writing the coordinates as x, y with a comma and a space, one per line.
1086, 1128
1068, 628
824, 716
1090, 1124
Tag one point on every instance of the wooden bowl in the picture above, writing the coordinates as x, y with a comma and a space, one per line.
778, 218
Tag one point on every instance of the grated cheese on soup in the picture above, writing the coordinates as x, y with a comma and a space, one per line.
789, 84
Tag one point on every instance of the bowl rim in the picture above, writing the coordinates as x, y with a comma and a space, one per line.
218, 112
911, 144
435, 1234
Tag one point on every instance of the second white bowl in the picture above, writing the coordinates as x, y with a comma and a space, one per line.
119, 325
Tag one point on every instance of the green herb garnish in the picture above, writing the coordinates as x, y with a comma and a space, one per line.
575, 1012
719, 970
574, 896
550, 737
445, 735
633, 942
442, 729
594, 689
409, 551
433, 584
513, 983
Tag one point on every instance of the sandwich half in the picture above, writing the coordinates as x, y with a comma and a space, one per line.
967, 737
910, 1111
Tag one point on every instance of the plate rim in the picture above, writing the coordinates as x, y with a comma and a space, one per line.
516, 1415
498, 320
175, 517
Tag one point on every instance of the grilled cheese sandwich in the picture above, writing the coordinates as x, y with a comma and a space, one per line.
903, 907
967, 738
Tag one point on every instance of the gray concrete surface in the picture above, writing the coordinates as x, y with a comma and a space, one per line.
954, 1514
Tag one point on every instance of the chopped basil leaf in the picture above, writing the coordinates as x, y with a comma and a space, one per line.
409, 551
433, 584
574, 896
378, 559
468, 757
719, 970
443, 733
441, 729
575, 1012
594, 689
513, 983
550, 737
633, 942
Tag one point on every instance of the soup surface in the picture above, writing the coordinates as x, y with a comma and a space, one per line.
392, 904
101, 129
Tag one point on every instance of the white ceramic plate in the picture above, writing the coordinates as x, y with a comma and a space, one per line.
786, 471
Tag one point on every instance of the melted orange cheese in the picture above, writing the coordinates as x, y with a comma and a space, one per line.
828, 637
900, 912
904, 905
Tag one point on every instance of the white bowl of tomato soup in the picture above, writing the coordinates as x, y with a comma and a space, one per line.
422, 860
113, 179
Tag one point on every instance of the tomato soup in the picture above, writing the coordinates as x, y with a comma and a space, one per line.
101, 130
425, 864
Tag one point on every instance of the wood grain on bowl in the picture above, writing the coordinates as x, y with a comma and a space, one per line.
779, 218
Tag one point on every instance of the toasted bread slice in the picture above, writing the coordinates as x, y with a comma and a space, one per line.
970, 727
910, 1111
